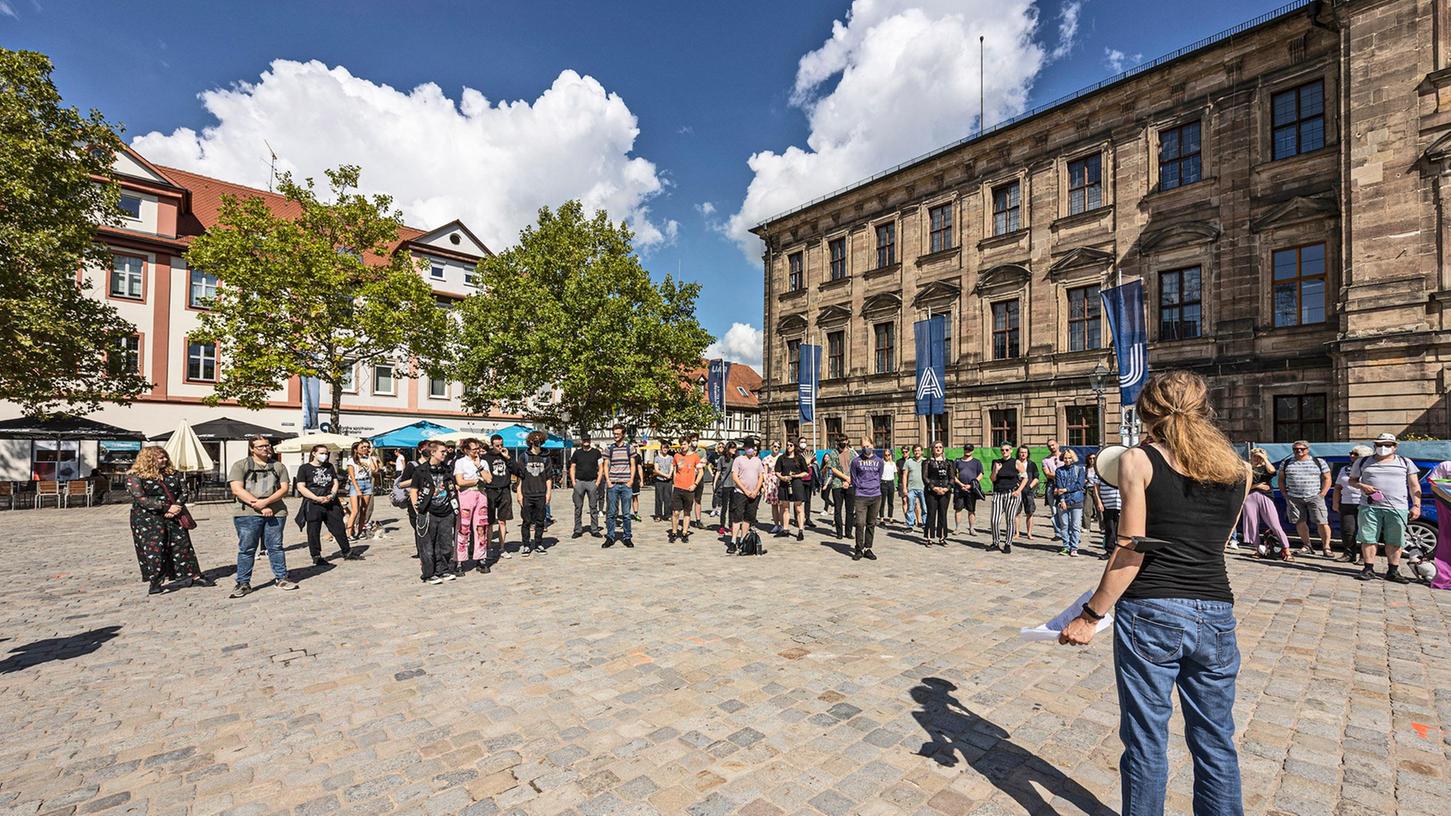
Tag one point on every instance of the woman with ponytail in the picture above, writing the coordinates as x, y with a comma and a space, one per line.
1182, 491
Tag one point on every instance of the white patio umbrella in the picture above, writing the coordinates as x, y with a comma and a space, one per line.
298, 444
186, 450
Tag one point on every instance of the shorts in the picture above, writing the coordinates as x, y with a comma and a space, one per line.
1385, 525
1314, 507
682, 500
364, 488
743, 507
797, 491
964, 500
501, 504
533, 510
1030, 503
699, 490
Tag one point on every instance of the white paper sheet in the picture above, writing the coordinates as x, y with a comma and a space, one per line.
1054, 627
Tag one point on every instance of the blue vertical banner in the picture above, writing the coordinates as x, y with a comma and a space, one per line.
931, 365
718, 373
311, 395
808, 377
1124, 308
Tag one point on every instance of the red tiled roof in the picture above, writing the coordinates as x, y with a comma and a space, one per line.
741, 376
206, 203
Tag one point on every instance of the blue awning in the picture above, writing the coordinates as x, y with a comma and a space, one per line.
409, 436
516, 436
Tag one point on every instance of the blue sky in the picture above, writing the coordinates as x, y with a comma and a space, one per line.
649, 109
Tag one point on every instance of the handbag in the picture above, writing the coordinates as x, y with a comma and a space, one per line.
184, 519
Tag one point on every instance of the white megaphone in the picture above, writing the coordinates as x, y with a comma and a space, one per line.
1107, 463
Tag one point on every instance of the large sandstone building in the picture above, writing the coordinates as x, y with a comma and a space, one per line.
1281, 190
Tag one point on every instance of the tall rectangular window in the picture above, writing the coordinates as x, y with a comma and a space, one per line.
793, 361
202, 290
201, 362
833, 431
437, 388
349, 382
1083, 425
939, 428
1085, 329
1298, 120
126, 272
1002, 426
1300, 416
130, 206
128, 356
1005, 330
1179, 306
946, 315
837, 248
795, 272
793, 430
1179, 156
884, 347
835, 354
1299, 283
886, 244
1007, 209
383, 380
882, 430
1085, 184
941, 227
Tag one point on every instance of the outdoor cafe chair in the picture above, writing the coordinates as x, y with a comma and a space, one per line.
47, 488
77, 489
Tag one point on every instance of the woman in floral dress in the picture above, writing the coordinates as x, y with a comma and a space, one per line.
163, 546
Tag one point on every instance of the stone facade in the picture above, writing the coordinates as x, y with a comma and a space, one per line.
1310, 224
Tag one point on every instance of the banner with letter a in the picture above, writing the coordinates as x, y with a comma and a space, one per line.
1124, 308
931, 365
808, 377
718, 373
311, 393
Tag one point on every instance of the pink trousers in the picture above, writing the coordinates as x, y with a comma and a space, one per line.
1443, 545
1260, 514
473, 525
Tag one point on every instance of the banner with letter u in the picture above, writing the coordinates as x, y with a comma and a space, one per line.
808, 378
1124, 308
718, 373
311, 394
931, 379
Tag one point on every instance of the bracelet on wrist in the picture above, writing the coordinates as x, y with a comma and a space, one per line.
1090, 614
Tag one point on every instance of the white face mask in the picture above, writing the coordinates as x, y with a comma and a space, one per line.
320, 457
1384, 450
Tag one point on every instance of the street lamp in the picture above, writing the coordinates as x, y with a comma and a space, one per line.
1096, 381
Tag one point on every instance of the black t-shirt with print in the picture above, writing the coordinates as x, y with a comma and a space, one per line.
535, 472
318, 479
498, 468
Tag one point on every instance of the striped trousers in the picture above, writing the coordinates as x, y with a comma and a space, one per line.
1005, 511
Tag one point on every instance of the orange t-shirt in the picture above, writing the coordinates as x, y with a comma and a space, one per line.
686, 466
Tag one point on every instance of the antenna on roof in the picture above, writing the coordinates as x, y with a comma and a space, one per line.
271, 168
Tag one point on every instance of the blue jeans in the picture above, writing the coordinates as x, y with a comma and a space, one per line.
1158, 645
617, 506
913, 506
1069, 524
250, 530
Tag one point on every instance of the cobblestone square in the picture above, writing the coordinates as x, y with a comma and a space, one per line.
668, 679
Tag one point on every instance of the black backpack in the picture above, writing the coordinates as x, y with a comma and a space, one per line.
751, 544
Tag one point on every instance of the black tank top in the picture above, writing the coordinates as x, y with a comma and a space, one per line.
1196, 520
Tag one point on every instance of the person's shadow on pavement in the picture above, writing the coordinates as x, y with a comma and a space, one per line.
956, 731
61, 648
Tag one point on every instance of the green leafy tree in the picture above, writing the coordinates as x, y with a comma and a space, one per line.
55, 189
314, 293
569, 328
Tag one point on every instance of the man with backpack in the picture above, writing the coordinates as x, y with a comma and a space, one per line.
1391, 488
259, 483
536, 486
1304, 481
434, 496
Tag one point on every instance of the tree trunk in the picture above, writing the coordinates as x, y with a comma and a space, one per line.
335, 411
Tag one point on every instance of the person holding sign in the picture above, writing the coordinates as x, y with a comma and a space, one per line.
1166, 584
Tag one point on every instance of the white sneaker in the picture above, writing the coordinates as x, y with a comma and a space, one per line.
435, 580
508, 554
1233, 546
448, 576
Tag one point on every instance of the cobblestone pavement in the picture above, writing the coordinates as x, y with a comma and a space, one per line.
667, 679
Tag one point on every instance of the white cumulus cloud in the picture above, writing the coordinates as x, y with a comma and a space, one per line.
895, 79
1117, 60
740, 344
491, 164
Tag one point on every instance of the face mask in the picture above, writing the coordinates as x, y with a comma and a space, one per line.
865, 451
320, 457
1384, 450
